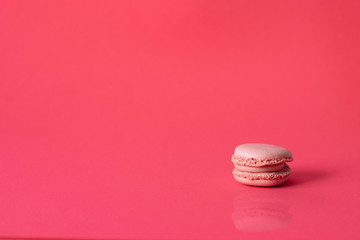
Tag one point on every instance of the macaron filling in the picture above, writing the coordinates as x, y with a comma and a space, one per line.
270, 168
252, 162
283, 173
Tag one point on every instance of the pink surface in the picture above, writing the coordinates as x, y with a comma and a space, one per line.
119, 118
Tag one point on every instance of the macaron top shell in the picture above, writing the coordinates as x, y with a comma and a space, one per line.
257, 154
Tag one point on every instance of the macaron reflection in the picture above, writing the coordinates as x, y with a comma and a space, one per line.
260, 212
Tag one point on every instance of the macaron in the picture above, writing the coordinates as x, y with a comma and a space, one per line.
261, 164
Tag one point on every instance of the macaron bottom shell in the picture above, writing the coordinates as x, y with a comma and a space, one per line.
260, 182
265, 179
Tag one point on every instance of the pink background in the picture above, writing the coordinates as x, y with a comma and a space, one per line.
119, 118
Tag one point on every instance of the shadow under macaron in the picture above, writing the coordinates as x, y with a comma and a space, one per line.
303, 177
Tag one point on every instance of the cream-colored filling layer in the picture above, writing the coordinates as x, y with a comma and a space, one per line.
283, 173
251, 162
270, 168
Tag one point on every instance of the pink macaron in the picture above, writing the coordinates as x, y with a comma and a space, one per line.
261, 164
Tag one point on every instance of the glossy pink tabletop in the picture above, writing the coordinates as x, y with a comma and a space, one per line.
118, 119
